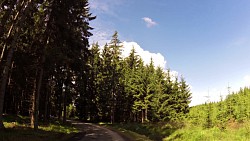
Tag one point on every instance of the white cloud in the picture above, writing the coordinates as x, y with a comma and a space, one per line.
98, 5
102, 37
158, 58
105, 6
149, 22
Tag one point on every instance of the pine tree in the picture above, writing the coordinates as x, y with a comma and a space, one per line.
49, 28
116, 70
95, 107
159, 96
184, 98
138, 91
131, 76
10, 44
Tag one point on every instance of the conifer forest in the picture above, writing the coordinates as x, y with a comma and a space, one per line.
50, 71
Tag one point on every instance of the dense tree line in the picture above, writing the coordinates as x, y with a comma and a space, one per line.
48, 70
235, 108
127, 90
44, 48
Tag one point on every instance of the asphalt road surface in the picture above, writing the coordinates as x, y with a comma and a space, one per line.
91, 132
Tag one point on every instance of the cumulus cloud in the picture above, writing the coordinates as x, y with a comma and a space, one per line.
146, 56
149, 22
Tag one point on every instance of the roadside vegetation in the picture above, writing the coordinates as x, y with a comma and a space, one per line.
146, 131
227, 120
18, 129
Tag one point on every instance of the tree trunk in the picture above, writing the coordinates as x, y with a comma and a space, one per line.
112, 109
37, 98
142, 116
46, 104
10, 31
4, 79
59, 98
36, 95
65, 104
7, 65
33, 108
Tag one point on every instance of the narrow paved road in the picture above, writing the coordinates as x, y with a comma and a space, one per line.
91, 132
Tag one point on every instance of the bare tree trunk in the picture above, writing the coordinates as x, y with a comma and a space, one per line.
113, 108
33, 108
142, 116
60, 91
65, 104
4, 79
39, 85
46, 104
112, 115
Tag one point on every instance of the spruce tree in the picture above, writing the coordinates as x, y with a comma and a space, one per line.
116, 70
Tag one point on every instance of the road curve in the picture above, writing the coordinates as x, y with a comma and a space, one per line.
92, 132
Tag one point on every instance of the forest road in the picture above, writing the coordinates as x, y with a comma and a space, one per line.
92, 132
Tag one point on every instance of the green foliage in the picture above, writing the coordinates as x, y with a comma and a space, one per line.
17, 129
154, 131
54, 72
122, 89
49, 43
235, 108
197, 133
225, 120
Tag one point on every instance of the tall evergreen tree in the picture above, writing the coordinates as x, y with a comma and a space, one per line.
59, 29
116, 71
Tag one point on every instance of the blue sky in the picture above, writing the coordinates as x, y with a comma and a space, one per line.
208, 42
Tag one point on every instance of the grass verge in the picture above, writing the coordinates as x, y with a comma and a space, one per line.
195, 133
145, 132
127, 134
18, 129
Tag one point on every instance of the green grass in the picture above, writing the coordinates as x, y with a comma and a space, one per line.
230, 133
233, 131
130, 135
59, 128
146, 132
18, 129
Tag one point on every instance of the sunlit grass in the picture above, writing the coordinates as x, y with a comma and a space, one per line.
128, 133
18, 129
59, 128
196, 133
10, 124
147, 131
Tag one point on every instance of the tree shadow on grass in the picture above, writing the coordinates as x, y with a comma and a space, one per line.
29, 134
18, 129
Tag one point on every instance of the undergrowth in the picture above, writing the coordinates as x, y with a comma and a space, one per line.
17, 128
